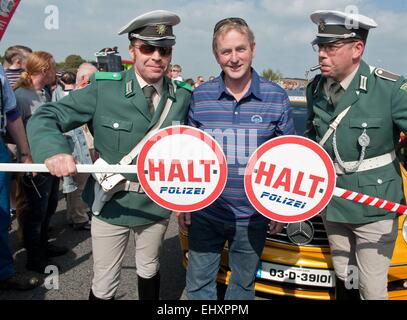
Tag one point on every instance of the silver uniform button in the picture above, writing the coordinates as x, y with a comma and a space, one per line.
379, 181
364, 125
115, 125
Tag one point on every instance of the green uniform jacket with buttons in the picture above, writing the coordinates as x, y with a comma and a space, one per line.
378, 101
116, 111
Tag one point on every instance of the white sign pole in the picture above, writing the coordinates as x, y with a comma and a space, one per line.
81, 168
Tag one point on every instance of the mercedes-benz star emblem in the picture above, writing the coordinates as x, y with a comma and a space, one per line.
300, 233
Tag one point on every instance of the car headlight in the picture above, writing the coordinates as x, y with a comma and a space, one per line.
404, 230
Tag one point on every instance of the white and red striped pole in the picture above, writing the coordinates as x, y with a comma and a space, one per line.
81, 168
92, 168
370, 201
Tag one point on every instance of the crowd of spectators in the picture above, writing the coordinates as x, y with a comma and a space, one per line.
175, 73
33, 198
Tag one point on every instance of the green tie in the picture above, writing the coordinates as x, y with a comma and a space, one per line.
148, 93
335, 93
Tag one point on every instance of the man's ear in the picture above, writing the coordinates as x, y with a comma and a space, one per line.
216, 57
132, 52
358, 49
253, 47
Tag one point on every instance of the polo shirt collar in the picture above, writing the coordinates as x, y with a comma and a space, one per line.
254, 86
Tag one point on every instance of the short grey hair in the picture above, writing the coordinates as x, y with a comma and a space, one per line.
228, 26
86, 69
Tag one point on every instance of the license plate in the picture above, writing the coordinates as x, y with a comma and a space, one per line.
297, 275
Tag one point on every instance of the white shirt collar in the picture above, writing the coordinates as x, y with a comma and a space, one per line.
158, 86
345, 83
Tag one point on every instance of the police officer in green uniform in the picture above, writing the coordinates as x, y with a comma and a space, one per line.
119, 108
370, 105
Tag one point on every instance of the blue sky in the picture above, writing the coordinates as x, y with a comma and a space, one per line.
282, 28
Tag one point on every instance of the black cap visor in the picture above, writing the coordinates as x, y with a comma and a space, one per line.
332, 33
322, 40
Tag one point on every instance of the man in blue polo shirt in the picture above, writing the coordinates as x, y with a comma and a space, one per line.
241, 111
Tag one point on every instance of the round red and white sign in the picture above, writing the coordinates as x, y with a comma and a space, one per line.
182, 168
289, 179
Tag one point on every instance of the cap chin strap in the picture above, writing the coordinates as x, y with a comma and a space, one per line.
334, 37
138, 36
340, 36
165, 42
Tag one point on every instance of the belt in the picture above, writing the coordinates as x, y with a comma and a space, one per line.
368, 164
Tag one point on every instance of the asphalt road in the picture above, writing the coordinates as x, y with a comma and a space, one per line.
75, 272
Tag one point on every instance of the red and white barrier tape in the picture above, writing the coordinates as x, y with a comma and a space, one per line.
370, 201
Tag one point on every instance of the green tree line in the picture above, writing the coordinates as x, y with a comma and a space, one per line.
272, 75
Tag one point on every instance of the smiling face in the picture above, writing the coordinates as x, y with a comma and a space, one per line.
235, 53
151, 66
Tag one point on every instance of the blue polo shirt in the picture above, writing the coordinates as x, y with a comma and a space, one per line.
239, 127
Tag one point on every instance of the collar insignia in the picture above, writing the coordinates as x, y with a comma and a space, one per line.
363, 83
129, 88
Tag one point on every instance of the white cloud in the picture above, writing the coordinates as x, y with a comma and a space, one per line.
298, 8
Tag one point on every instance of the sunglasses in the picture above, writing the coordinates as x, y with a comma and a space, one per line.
149, 49
222, 22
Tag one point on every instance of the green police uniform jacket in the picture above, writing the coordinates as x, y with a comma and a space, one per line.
378, 101
116, 111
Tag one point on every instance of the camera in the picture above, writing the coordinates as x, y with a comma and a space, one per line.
108, 60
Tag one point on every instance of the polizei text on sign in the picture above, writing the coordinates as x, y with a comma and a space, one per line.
289, 179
